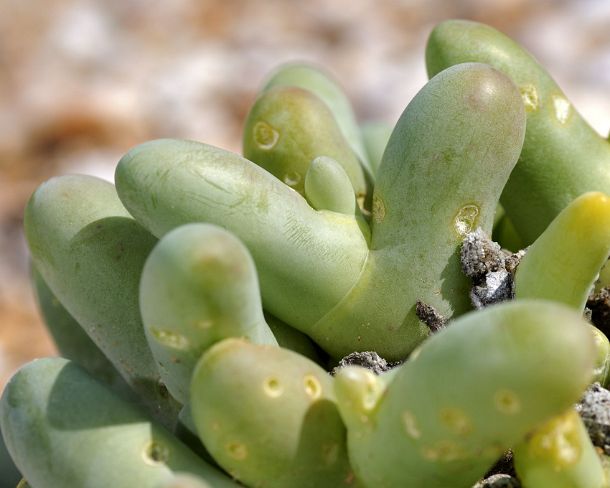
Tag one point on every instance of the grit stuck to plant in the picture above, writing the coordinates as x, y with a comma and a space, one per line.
337, 306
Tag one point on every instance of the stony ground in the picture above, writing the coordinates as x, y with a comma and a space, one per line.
82, 81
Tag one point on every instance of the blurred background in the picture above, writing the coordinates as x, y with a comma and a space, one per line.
83, 81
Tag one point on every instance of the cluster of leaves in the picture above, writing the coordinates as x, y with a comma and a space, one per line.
204, 300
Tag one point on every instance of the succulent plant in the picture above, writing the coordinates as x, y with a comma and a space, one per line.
562, 156
327, 273
558, 454
434, 426
202, 303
